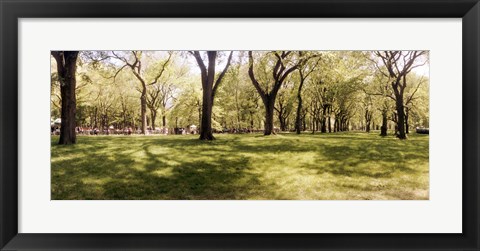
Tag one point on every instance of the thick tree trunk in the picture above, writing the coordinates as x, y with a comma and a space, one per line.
283, 126
143, 111
368, 118
164, 121
400, 118
383, 129
206, 124
313, 122
268, 102
209, 86
298, 119
66, 67
154, 118
324, 120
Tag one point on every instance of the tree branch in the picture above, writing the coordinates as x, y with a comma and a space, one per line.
220, 77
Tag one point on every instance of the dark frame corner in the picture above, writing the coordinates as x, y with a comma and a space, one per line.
10, 11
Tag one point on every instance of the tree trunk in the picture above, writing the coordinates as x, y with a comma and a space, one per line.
298, 119
95, 124
406, 121
268, 102
154, 118
368, 118
143, 111
164, 121
304, 121
400, 118
324, 120
313, 122
281, 120
209, 86
251, 120
383, 129
67, 67
329, 121
199, 113
206, 125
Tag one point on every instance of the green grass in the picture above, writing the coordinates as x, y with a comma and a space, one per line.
340, 166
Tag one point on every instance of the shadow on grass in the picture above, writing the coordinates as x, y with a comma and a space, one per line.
237, 167
352, 155
111, 173
372, 160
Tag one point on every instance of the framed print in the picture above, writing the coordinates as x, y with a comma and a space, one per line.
239, 125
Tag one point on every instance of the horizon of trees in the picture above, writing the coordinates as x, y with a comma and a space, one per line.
298, 91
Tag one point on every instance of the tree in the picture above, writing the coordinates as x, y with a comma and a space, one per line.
284, 63
411, 94
284, 104
416, 104
304, 71
380, 96
398, 65
66, 70
209, 88
140, 74
328, 91
237, 99
187, 108
368, 111
162, 93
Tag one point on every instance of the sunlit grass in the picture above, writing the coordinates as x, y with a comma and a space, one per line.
340, 166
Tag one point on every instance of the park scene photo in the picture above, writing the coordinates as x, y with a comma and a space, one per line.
239, 125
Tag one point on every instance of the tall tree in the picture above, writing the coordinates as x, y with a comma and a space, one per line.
162, 94
134, 62
66, 70
380, 95
398, 65
209, 88
304, 71
282, 67
284, 104
410, 96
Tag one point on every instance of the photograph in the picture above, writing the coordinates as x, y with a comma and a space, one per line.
240, 125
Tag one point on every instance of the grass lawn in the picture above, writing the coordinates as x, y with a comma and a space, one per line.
337, 166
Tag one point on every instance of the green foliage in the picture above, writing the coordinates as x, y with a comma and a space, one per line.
344, 83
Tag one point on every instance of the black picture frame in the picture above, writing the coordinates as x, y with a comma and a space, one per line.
11, 11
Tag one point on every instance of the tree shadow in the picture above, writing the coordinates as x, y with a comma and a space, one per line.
370, 159
177, 174
181, 168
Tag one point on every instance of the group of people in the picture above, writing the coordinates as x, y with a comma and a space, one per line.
240, 130
55, 130
105, 131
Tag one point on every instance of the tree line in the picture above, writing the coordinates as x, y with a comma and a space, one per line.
298, 91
